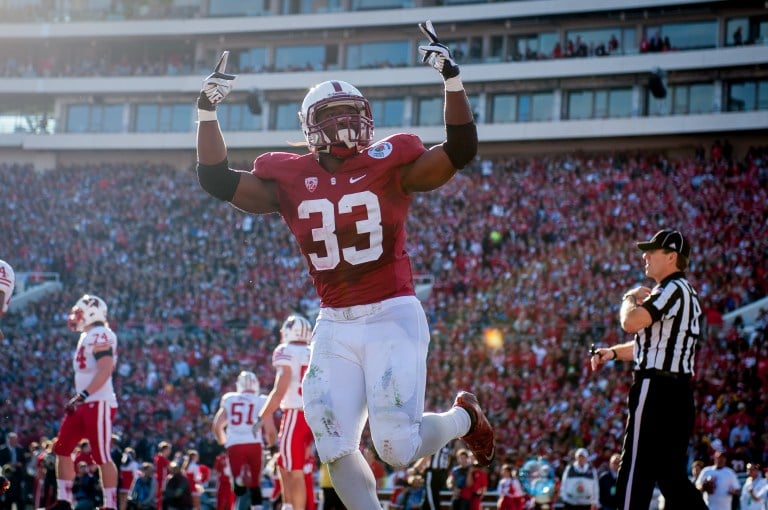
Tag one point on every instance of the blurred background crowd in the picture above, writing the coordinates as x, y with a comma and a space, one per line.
534, 251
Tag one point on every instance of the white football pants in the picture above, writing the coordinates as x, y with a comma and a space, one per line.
368, 361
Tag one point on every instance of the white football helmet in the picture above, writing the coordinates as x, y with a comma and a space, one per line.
87, 310
247, 381
344, 133
7, 282
295, 329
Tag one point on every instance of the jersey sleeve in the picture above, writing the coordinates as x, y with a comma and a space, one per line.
405, 147
224, 401
101, 339
281, 357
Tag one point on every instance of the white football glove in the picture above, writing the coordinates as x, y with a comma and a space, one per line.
436, 53
216, 85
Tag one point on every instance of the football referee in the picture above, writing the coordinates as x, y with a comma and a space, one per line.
666, 324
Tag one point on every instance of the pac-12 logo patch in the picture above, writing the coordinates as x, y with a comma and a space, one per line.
380, 151
311, 184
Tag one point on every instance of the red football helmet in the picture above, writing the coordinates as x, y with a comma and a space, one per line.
344, 133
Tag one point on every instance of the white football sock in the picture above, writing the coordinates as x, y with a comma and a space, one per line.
438, 429
354, 482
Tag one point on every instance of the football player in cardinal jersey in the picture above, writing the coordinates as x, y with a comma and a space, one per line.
239, 414
291, 359
162, 469
89, 414
346, 203
7, 282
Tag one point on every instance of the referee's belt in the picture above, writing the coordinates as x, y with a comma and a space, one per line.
652, 373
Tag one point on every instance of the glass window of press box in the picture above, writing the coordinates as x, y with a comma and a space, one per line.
237, 117
163, 118
601, 42
253, 60
745, 96
95, 118
285, 116
523, 107
429, 110
375, 55
307, 58
364, 5
599, 104
681, 36
752, 30
224, 8
308, 6
531, 46
387, 112
683, 99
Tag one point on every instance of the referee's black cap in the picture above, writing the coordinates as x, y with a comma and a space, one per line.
667, 239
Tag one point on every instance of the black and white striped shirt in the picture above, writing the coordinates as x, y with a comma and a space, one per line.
669, 343
441, 460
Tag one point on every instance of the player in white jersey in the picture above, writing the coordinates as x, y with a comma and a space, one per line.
291, 359
7, 282
90, 412
237, 426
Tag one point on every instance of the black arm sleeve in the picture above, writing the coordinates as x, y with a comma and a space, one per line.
461, 143
218, 180
101, 354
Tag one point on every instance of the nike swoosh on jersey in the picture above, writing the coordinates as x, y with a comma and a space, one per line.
353, 180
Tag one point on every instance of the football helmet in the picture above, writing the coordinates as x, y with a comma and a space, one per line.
295, 329
7, 282
87, 310
247, 381
344, 133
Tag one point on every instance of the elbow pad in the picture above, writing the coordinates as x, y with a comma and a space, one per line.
218, 180
461, 143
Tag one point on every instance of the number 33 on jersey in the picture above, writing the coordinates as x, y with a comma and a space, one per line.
350, 225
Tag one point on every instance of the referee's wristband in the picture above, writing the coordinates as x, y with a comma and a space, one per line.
84, 394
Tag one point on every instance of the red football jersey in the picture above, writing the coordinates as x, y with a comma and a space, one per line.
350, 225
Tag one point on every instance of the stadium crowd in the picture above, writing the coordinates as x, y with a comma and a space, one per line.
539, 249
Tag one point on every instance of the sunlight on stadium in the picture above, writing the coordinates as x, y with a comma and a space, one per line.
383, 254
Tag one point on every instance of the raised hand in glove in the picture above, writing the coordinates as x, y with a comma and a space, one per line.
216, 85
75, 401
436, 53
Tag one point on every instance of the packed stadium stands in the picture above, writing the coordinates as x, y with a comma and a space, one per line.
196, 290
535, 240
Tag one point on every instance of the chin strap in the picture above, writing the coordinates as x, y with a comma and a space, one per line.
341, 151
